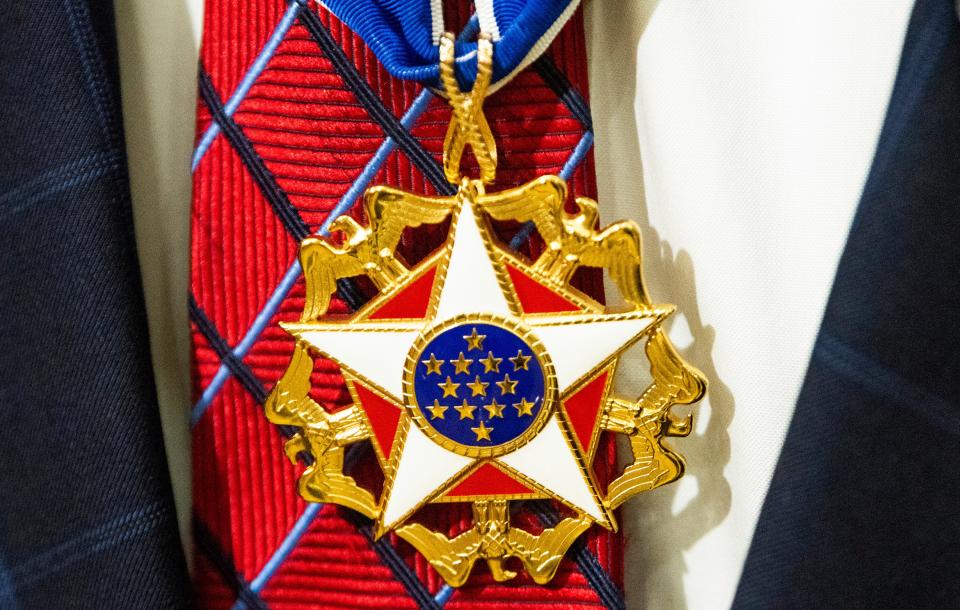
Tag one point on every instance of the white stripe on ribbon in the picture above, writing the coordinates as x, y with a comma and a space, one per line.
488, 21
436, 20
541, 45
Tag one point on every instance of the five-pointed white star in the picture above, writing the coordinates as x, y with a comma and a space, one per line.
577, 344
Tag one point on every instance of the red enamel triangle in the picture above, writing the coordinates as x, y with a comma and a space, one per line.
537, 298
583, 406
410, 303
382, 414
488, 480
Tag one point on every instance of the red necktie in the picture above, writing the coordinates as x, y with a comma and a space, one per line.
297, 117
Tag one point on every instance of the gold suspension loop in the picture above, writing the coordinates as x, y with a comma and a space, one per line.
468, 125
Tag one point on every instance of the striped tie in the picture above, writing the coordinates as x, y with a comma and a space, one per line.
296, 119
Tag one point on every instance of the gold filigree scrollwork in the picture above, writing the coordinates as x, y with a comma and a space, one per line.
493, 539
468, 124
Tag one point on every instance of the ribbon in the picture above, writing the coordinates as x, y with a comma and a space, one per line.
405, 34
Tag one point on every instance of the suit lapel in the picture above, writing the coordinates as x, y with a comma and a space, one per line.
863, 503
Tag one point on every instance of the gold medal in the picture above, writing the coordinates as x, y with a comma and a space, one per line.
478, 375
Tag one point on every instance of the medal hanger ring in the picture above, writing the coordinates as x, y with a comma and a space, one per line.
468, 125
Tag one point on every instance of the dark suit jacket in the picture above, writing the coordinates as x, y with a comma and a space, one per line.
86, 511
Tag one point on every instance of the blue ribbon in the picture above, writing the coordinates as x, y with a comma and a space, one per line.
401, 34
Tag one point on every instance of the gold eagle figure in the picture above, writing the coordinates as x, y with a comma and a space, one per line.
451, 558
491, 538
367, 250
324, 264
541, 554
572, 240
649, 419
324, 435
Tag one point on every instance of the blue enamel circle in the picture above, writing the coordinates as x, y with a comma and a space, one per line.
479, 385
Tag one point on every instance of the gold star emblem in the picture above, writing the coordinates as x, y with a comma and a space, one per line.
468, 281
495, 409
437, 410
491, 364
524, 407
449, 387
465, 410
462, 364
482, 432
507, 386
479, 388
474, 340
520, 362
433, 364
